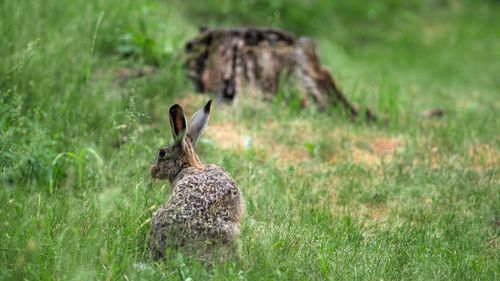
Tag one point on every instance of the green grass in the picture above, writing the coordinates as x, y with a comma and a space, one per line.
413, 198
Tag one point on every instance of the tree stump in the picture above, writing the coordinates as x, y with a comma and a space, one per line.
225, 60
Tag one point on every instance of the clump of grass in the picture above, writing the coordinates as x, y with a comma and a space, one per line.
79, 159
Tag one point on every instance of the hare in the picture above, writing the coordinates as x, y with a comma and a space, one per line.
205, 209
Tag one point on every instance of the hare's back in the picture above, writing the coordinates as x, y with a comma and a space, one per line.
208, 195
212, 181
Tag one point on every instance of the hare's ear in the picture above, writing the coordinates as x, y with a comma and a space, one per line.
199, 123
178, 123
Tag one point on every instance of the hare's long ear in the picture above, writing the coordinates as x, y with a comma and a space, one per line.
178, 123
199, 123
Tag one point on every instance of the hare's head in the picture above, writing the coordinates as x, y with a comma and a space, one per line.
171, 159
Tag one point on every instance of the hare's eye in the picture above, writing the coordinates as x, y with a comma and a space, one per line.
162, 153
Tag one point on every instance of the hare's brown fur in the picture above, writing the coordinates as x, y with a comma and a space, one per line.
205, 208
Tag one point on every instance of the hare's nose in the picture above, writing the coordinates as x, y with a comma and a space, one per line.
153, 170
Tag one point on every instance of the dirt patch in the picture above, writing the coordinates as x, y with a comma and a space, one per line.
287, 156
479, 157
436, 160
367, 150
360, 156
232, 136
384, 146
483, 157
298, 133
301, 130
227, 135
377, 212
379, 150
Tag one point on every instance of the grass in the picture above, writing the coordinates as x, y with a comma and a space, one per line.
414, 198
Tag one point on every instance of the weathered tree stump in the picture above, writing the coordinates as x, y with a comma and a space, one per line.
225, 60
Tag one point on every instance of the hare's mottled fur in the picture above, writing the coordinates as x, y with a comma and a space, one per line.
206, 206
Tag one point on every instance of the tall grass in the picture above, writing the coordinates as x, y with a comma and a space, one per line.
325, 200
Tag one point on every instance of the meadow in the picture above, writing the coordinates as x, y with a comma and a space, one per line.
85, 88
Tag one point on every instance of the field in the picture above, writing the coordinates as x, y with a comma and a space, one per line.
406, 198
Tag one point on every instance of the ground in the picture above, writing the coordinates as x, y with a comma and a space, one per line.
85, 89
